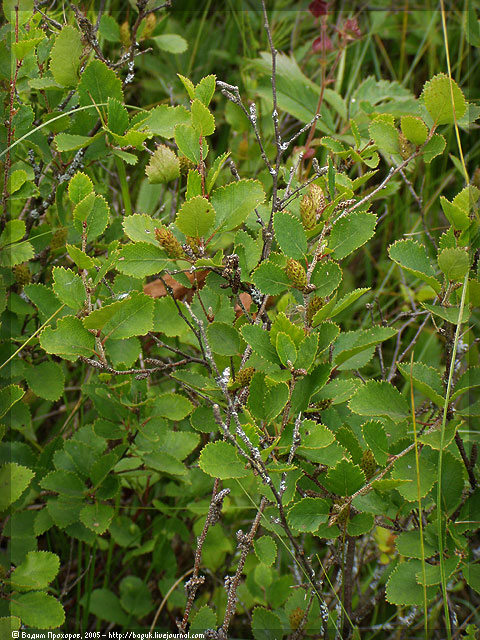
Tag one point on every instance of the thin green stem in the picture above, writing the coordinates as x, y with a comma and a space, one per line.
419, 498
440, 460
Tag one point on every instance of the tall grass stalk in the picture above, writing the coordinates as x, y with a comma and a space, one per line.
440, 460
419, 498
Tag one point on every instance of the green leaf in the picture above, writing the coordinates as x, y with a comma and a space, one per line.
172, 406
97, 84
70, 339
220, 460
37, 571
71, 142
443, 99
326, 277
65, 483
314, 436
347, 300
163, 166
434, 147
179, 444
195, 217
16, 254
385, 136
117, 119
80, 258
376, 439
132, 316
94, 211
432, 572
109, 28
140, 228
164, 462
435, 440
141, 259
66, 56
13, 232
205, 89
162, 120
308, 385
286, 349
412, 257
135, 596
9, 396
97, 517
457, 216
266, 550
408, 544
214, 170
234, 202
414, 129
69, 288
449, 314
307, 352
405, 469
471, 573
266, 400
23, 47
454, 263
360, 524
266, 625
467, 198
259, 340
402, 587
79, 187
468, 380
426, 379
308, 514
188, 141
171, 43
290, 235
106, 606
38, 609
345, 478
15, 181
202, 120
351, 232
9, 624
64, 511
223, 338
14, 479
204, 619
270, 279
379, 399
350, 343
44, 299
46, 380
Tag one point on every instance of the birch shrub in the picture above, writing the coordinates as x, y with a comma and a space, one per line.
195, 405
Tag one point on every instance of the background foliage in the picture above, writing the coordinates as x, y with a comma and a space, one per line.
238, 352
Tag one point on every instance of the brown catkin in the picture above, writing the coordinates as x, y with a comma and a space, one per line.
308, 213
125, 37
169, 242
296, 617
314, 305
368, 463
296, 273
406, 147
244, 376
22, 273
185, 165
318, 198
194, 244
59, 238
